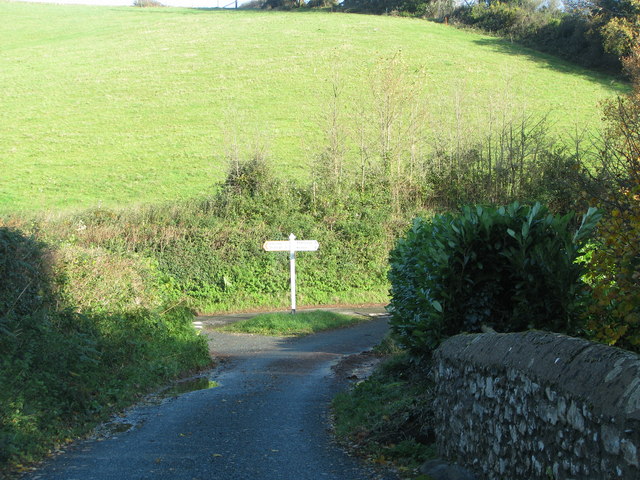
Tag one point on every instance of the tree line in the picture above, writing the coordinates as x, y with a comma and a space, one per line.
591, 33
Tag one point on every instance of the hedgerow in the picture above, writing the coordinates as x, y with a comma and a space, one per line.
575, 36
69, 356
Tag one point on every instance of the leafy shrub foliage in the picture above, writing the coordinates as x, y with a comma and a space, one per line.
418, 8
614, 271
207, 253
614, 266
249, 177
508, 268
517, 163
23, 271
65, 365
147, 3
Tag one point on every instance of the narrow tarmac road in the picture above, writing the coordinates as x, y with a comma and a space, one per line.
267, 419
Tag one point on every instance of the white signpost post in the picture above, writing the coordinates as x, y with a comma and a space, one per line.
292, 246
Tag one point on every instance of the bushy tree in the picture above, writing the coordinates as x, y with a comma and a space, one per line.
614, 317
575, 33
617, 20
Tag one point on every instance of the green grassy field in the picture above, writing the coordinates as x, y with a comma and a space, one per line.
113, 106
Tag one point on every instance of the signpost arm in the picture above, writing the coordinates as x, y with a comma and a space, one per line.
291, 246
292, 265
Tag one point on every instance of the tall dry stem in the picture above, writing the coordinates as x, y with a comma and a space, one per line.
329, 166
399, 114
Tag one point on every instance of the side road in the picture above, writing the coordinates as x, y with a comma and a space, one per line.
266, 419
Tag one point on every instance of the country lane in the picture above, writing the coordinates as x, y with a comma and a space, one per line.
267, 419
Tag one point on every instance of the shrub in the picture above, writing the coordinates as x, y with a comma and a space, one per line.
507, 268
614, 272
572, 35
518, 161
249, 177
23, 266
147, 3
208, 251
96, 280
614, 267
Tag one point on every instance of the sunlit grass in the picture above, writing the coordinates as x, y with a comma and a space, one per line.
111, 106
288, 324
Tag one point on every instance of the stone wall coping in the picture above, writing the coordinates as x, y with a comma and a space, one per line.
605, 377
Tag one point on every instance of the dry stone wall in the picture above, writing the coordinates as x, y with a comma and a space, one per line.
535, 405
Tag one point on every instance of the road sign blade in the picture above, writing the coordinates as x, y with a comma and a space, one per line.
277, 246
285, 245
291, 246
306, 245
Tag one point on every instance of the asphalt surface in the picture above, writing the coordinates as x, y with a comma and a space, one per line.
267, 419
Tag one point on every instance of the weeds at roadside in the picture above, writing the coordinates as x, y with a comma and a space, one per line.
387, 418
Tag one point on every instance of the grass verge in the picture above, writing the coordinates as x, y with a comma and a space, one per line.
64, 373
248, 302
387, 418
287, 324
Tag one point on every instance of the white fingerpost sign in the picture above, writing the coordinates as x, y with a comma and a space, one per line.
292, 246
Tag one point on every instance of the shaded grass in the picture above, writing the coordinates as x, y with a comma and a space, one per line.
387, 417
64, 374
109, 106
288, 324
83, 333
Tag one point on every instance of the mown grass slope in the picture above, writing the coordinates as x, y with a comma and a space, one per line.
109, 106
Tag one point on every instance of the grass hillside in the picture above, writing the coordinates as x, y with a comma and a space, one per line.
112, 106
